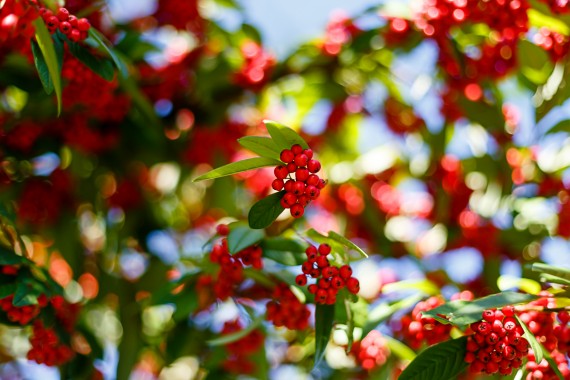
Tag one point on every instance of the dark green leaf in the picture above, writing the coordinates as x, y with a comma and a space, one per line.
238, 167
263, 146
324, 318
186, 303
46, 46
284, 137
230, 338
7, 290
347, 243
264, 212
42, 68
536, 347
26, 294
465, 312
488, 115
100, 39
8, 257
443, 361
100, 66
241, 236
284, 251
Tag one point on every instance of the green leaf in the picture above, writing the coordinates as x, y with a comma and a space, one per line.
284, 251
42, 68
384, 311
347, 243
553, 279
324, 318
238, 167
241, 236
399, 349
487, 115
443, 361
230, 338
263, 146
26, 294
535, 64
536, 347
8, 257
539, 20
527, 285
46, 46
100, 66
100, 39
462, 313
284, 137
186, 303
550, 269
7, 290
264, 212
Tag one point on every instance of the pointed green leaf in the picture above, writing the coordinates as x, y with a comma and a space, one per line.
284, 137
324, 318
100, 66
550, 269
462, 313
399, 349
26, 294
230, 338
443, 361
384, 311
100, 39
42, 68
238, 167
241, 236
553, 279
263, 146
46, 45
284, 251
264, 212
347, 243
536, 347
8, 257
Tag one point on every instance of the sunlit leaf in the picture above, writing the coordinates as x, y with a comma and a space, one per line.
101, 41
399, 349
238, 167
263, 146
241, 236
264, 212
284, 251
443, 361
536, 347
344, 241
284, 137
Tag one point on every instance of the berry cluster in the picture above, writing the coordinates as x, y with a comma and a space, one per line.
24, 314
75, 29
16, 23
554, 43
257, 67
306, 186
329, 279
231, 267
339, 31
497, 344
562, 332
543, 371
47, 348
286, 310
416, 329
239, 352
372, 352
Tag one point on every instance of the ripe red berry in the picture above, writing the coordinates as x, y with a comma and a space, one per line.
297, 211
290, 199
289, 185
308, 153
75, 35
324, 249
287, 156
298, 188
65, 27
83, 25
312, 192
353, 285
324, 283
291, 167
313, 180
62, 14
222, 229
322, 262
277, 184
328, 271
345, 272
301, 160
52, 23
73, 21
281, 172
301, 174
337, 282
301, 280
322, 183
311, 249
304, 200
296, 149
307, 267
314, 166
313, 288
321, 295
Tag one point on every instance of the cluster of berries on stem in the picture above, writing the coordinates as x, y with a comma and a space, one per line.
416, 329
372, 352
329, 279
47, 348
497, 345
240, 352
306, 185
76, 29
286, 310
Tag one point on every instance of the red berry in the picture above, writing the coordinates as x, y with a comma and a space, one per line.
311, 249
296, 149
308, 153
281, 172
277, 184
301, 160
75, 35
302, 174
222, 229
345, 272
312, 192
322, 183
508, 311
324, 283
287, 156
322, 262
313, 288
307, 267
301, 280
62, 14
324, 249
314, 166
321, 296
337, 282
298, 188
83, 25
353, 285
65, 27
328, 271
304, 200
52, 22
313, 180
297, 211
289, 185
290, 199
73, 21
